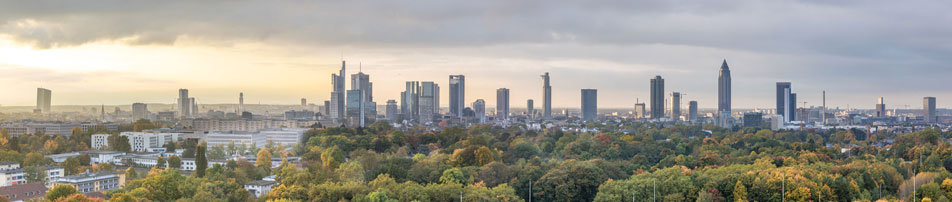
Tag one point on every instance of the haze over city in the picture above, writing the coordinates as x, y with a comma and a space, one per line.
120, 52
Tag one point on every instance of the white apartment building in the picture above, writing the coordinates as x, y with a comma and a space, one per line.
243, 125
285, 136
142, 141
238, 137
99, 141
11, 174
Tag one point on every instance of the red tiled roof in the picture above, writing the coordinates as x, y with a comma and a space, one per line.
23, 191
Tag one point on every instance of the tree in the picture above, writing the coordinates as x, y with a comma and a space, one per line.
350, 172
200, 162
35, 174
142, 124
332, 157
34, 159
160, 162
60, 191
454, 175
170, 147
483, 156
264, 160
119, 143
131, 174
740, 192
175, 162
122, 197
71, 165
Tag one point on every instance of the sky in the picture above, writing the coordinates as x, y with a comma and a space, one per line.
277, 52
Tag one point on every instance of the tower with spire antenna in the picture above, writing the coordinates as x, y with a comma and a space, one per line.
724, 96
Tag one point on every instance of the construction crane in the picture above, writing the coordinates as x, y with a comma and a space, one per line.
804, 104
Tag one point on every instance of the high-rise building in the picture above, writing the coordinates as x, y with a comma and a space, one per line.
194, 104
479, 108
753, 119
457, 94
589, 104
409, 101
530, 108
361, 81
546, 97
429, 101
657, 97
502, 103
675, 106
184, 106
359, 112
241, 102
928, 109
337, 109
785, 101
304, 103
140, 111
793, 107
366, 108
881, 107
692, 111
724, 95
640, 110
392, 110
43, 99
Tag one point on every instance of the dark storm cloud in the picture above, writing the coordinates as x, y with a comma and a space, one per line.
861, 46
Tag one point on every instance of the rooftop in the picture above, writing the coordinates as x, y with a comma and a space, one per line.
21, 189
261, 183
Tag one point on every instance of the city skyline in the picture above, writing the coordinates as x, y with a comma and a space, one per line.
82, 65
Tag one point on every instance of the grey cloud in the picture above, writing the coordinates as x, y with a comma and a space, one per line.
864, 46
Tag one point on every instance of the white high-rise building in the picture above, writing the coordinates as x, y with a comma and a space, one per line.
43, 99
100, 141
184, 106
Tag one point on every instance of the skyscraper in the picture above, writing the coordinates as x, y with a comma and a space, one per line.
657, 97
546, 97
502, 103
304, 103
479, 108
337, 109
589, 104
355, 116
928, 109
43, 99
881, 107
785, 103
409, 101
361, 81
640, 110
692, 111
366, 107
241, 102
675, 106
392, 110
724, 95
530, 108
184, 106
140, 111
429, 101
457, 94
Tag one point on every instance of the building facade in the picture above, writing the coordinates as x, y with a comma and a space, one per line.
457, 94
657, 97
589, 104
502, 104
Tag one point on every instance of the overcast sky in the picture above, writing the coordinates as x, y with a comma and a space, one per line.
277, 52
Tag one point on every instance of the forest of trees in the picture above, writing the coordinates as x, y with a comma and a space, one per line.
489, 163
